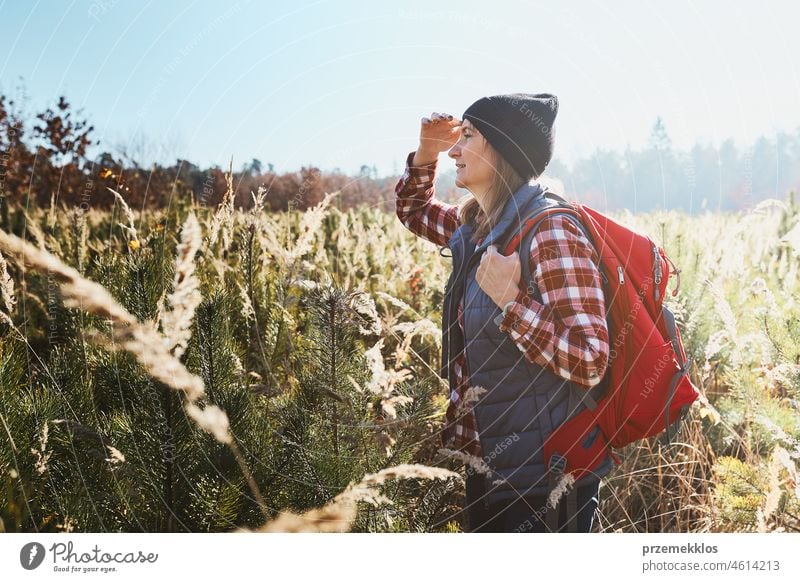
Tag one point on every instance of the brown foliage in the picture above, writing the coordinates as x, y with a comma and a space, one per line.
54, 163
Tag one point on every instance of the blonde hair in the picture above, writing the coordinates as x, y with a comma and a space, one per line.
506, 181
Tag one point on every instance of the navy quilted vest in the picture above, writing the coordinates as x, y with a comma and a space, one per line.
524, 402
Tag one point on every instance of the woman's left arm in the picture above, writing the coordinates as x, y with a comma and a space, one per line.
567, 332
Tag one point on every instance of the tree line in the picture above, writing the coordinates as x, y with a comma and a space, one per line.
46, 159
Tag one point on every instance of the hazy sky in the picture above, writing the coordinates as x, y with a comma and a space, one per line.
340, 84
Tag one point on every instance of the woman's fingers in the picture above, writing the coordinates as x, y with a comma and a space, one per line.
439, 131
437, 117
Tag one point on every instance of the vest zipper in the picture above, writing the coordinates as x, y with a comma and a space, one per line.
470, 261
621, 275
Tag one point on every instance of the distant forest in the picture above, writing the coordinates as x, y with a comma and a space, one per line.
44, 158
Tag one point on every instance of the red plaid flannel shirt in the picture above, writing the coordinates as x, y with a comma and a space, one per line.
566, 334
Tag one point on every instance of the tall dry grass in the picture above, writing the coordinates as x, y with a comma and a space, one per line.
731, 468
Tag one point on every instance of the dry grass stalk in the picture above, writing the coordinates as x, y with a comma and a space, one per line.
116, 457
779, 461
248, 311
773, 496
51, 212
270, 245
177, 312
211, 419
147, 346
471, 396
382, 384
783, 458
32, 226
706, 409
338, 514
6, 287
223, 218
258, 201
725, 313
476, 463
305, 284
663, 489
142, 341
8, 434
42, 455
411, 329
131, 227
362, 303
399, 303
383, 381
309, 227
562, 487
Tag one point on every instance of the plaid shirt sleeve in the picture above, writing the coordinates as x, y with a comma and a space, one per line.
417, 208
567, 333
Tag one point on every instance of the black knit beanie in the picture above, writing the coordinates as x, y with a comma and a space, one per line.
519, 126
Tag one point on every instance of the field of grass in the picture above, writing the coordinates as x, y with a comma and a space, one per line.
206, 369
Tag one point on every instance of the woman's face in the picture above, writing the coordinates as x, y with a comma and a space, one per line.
474, 168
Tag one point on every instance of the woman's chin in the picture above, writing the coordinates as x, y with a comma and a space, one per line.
460, 184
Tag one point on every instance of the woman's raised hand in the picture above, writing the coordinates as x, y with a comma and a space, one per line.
437, 133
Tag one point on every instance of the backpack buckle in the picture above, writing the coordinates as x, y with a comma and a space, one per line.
557, 464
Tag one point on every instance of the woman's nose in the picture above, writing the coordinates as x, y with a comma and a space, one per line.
454, 151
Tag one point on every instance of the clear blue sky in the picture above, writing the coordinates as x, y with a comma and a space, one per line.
340, 84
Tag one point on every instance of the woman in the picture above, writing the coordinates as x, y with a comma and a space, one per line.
528, 351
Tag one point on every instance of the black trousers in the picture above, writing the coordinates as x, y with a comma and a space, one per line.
525, 514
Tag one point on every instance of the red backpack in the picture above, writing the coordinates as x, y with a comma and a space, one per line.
647, 386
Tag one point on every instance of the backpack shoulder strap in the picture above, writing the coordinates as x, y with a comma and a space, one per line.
527, 240
548, 204
560, 199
